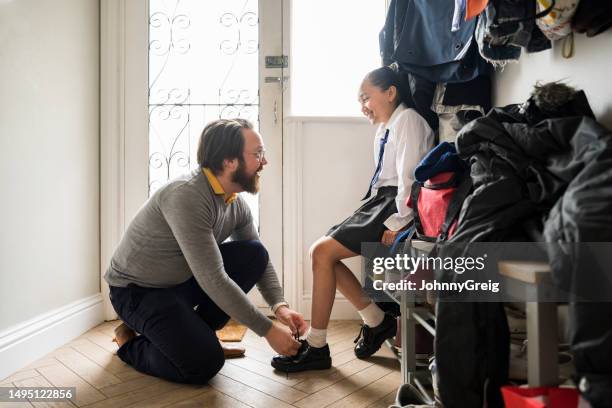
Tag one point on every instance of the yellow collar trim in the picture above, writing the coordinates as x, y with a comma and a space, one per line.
217, 187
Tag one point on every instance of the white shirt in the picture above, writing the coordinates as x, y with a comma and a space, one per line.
410, 138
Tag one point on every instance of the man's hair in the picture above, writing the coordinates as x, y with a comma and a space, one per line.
220, 140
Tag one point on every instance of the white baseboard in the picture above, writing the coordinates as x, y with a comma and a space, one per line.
342, 310
28, 341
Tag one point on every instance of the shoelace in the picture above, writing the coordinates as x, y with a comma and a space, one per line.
363, 332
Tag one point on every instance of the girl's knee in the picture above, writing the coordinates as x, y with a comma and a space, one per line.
323, 251
317, 250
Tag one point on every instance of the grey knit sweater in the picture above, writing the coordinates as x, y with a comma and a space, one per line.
176, 235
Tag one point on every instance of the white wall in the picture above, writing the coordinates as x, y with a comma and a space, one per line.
589, 70
49, 147
332, 158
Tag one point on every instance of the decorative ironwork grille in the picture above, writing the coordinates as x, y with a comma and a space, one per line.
203, 65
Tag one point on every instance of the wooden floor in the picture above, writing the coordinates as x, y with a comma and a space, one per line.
102, 380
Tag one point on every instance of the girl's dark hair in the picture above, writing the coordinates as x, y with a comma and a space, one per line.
385, 77
220, 140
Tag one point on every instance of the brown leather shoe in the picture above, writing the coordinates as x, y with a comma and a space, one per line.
232, 351
123, 334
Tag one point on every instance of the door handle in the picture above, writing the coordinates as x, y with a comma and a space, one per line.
271, 79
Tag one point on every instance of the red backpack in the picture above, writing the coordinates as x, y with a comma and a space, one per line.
438, 202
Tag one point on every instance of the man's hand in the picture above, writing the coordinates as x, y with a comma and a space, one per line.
293, 319
281, 340
388, 237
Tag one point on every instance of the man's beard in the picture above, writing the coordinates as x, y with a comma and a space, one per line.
248, 183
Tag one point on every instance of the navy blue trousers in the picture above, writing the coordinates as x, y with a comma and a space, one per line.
177, 324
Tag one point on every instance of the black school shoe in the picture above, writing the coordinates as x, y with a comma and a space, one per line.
307, 358
370, 339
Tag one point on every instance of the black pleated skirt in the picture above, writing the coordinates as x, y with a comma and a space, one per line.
366, 223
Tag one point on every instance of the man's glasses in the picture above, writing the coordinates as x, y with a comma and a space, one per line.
260, 155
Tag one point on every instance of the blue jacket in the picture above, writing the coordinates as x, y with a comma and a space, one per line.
417, 35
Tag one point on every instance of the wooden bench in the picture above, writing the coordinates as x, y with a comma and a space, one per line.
542, 341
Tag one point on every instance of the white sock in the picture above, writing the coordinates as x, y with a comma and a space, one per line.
372, 315
317, 337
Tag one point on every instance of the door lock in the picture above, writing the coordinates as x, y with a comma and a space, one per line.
277, 61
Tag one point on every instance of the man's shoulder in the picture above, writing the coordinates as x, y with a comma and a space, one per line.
241, 201
188, 187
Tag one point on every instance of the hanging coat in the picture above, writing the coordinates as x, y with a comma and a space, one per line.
417, 36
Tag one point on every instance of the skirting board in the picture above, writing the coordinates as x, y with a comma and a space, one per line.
342, 310
28, 341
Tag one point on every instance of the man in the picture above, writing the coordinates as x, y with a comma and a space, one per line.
175, 280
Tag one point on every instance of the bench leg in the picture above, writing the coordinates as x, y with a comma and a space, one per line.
542, 344
408, 360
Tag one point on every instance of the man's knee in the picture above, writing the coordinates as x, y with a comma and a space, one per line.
245, 262
203, 366
258, 255
251, 252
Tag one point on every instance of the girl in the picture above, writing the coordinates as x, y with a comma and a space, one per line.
403, 137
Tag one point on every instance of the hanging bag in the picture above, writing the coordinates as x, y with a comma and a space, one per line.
442, 184
558, 22
438, 202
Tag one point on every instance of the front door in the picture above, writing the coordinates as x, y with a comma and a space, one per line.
184, 63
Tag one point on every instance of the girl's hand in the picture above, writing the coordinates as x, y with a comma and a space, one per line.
388, 237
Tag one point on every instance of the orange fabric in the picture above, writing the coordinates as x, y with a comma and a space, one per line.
217, 187
474, 8
232, 331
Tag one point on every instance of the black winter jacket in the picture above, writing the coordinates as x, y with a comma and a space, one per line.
555, 167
